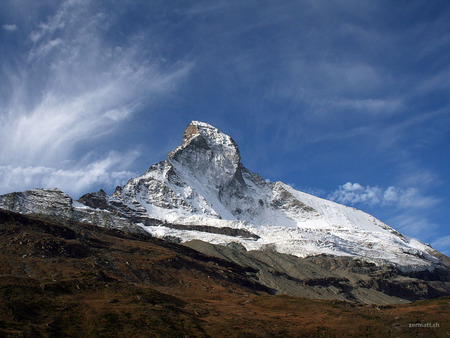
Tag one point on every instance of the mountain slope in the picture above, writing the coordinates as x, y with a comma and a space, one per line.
201, 191
74, 279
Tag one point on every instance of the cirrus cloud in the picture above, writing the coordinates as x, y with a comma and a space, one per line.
75, 87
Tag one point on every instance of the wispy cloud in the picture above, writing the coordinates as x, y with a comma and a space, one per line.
74, 180
371, 105
43, 49
416, 225
77, 87
59, 20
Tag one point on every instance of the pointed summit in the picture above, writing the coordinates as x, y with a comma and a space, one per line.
204, 146
190, 132
217, 141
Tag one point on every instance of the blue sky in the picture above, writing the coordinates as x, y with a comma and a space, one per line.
347, 100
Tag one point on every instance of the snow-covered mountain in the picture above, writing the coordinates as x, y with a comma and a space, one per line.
202, 191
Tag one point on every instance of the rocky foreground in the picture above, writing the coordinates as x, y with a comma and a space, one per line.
73, 279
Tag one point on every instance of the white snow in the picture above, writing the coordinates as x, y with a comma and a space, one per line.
202, 184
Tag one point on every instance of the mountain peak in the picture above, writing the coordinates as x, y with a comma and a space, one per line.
215, 139
198, 128
190, 131
200, 137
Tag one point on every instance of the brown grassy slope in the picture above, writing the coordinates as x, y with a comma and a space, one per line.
80, 280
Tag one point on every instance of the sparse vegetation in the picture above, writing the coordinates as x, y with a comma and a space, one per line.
129, 285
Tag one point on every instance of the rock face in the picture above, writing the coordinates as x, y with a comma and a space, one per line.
57, 205
201, 191
333, 277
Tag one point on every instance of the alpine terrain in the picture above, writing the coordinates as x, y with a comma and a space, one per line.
290, 242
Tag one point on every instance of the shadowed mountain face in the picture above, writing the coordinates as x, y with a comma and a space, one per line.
331, 277
75, 279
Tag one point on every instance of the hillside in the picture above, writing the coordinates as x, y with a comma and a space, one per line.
67, 278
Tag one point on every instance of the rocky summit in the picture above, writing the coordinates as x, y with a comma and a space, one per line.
202, 196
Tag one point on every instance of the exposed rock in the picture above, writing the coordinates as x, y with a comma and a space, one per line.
55, 204
329, 277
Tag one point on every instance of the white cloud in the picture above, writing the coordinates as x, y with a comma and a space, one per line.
391, 194
58, 20
355, 193
409, 209
43, 49
74, 180
77, 87
9, 27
